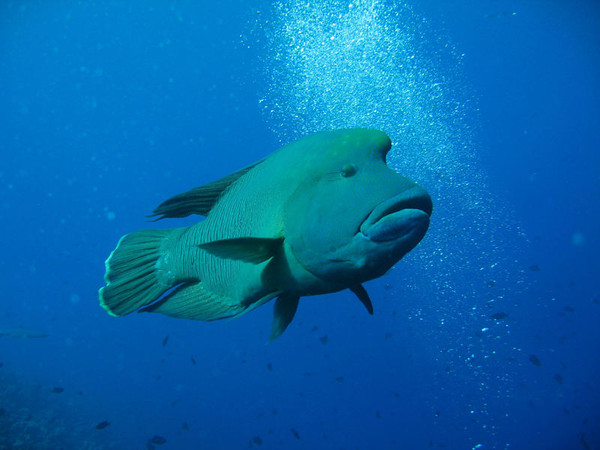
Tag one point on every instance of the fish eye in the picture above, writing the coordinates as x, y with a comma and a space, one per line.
348, 170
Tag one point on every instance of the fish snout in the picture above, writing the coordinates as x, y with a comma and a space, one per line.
404, 216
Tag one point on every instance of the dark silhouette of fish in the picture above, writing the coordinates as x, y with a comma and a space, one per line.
323, 214
21, 333
584, 441
499, 316
535, 360
102, 425
158, 440
559, 379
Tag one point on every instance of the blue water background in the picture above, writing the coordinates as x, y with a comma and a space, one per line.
109, 108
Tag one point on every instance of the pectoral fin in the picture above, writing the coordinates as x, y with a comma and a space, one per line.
283, 314
363, 296
251, 250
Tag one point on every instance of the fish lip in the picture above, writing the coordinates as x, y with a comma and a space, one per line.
414, 198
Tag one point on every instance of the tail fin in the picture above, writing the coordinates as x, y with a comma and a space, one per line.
131, 276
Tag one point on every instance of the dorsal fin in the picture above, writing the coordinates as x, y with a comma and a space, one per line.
199, 200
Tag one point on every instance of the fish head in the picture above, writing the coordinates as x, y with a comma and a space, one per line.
352, 217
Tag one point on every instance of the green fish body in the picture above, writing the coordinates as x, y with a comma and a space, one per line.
322, 214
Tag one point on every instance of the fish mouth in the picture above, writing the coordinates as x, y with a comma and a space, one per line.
404, 215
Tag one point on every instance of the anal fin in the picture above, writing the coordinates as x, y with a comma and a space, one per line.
192, 301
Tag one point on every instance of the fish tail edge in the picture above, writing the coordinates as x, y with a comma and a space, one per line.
132, 279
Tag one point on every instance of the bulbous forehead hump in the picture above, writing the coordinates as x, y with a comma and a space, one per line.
338, 146
359, 142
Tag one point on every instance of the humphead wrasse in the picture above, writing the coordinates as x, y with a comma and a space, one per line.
323, 214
